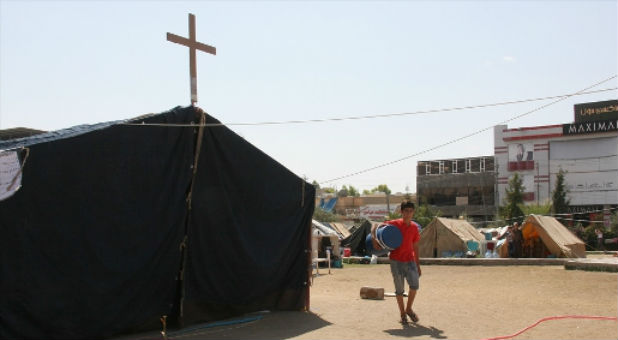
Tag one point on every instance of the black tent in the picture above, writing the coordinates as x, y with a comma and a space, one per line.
111, 229
356, 241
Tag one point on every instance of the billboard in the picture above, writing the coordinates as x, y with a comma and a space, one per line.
521, 152
605, 110
376, 212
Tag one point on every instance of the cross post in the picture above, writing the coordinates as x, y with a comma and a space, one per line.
193, 45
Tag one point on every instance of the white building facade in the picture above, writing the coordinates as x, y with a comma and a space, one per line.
587, 150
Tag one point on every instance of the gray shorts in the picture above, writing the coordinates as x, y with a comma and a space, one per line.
401, 270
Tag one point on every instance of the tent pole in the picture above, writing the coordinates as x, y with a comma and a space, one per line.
179, 313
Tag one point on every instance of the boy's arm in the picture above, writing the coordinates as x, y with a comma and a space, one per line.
417, 258
374, 237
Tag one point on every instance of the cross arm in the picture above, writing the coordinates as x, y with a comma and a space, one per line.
197, 45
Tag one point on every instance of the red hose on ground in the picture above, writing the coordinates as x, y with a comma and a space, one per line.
611, 318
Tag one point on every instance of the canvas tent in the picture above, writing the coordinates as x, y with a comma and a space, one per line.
340, 228
322, 237
545, 236
444, 235
356, 240
107, 215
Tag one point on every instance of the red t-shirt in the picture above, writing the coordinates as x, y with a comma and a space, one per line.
410, 235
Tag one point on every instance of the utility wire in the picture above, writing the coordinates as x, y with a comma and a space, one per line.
387, 115
468, 135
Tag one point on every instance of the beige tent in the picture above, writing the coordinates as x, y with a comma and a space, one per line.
444, 235
556, 238
341, 229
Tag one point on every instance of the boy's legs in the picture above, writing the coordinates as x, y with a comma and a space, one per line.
407, 270
398, 279
413, 283
411, 295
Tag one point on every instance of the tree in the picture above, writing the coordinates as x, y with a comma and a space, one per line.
322, 215
384, 188
394, 215
348, 191
514, 200
367, 192
537, 209
424, 214
343, 192
559, 201
315, 184
352, 191
329, 190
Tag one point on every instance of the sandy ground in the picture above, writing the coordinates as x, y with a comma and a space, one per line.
454, 302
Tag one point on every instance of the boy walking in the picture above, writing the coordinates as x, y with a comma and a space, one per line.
404, 260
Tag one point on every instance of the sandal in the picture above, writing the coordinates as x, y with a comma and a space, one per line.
404, 318
412, 316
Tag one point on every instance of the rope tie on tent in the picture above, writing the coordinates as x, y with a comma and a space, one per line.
196, 158
590, 317
164, 324
183, 246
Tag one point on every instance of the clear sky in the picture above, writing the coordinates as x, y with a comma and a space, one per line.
66, 63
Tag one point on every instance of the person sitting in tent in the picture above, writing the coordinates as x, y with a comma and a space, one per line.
599, 233
515, 239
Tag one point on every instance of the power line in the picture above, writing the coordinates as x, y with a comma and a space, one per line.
469, 135
387, 115
568, 216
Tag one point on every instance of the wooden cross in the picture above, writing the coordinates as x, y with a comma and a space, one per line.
193, 45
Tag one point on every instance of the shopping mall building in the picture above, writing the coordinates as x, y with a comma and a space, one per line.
587, 150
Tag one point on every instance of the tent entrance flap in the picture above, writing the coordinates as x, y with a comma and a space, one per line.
555, 237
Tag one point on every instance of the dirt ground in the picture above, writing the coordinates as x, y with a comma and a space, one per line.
453, 302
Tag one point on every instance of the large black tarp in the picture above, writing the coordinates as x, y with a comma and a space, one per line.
90, 245
356, 240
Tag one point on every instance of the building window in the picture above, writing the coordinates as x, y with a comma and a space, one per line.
489, 164
428, 168
454, 167
482, 164
468, 165
441, 167
475, 165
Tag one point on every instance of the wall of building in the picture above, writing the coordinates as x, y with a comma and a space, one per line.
524, 151
456, 187
591, 167
590, 161
371, 206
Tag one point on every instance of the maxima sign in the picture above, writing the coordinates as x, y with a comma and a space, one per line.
590, 127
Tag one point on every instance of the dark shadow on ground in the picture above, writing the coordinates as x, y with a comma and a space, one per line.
264, 325
411, 330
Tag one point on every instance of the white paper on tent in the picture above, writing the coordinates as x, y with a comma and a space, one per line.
10, 174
